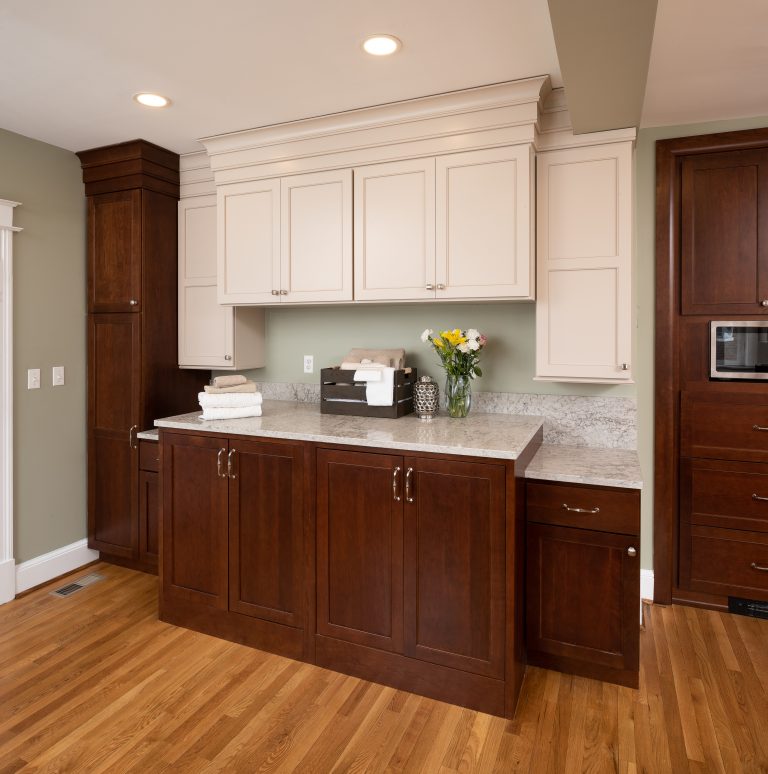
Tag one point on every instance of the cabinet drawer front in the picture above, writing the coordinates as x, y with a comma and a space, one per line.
724, 561
149, 455
724, 427
605, 510
731, 495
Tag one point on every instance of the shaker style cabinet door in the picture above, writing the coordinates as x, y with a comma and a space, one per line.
724, 233
316, 237
360, 548
114, 252
248, 242
454, 541
395, 231
485, 224
584, 317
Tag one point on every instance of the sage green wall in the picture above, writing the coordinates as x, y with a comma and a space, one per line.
49, 329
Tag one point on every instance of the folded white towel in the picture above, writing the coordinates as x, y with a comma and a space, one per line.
368, 374
381, 393
349, 365
230, 380
229, 399
231, 413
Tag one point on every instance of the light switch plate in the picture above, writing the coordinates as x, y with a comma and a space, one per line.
57, 376
33, 379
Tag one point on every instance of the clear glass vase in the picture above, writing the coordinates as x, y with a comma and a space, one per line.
458, 395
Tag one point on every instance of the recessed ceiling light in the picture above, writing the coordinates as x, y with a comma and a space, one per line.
381, 45
148, 99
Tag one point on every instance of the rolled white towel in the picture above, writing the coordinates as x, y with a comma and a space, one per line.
231, 413
229, 399
229, 380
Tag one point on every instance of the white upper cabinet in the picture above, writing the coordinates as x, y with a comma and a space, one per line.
286, 240
584, 312
316, 237
210, 335
395, 231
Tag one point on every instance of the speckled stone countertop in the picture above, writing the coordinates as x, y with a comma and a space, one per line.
582, 465
149, 435
501, 436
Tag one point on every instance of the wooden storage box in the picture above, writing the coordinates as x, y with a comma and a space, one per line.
340, 395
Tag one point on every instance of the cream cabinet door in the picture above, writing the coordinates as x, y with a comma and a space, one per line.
485, 224
248, 236
316, 237
584, 317
395, 231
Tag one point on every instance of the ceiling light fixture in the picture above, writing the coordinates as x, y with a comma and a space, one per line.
381, 45
148, 99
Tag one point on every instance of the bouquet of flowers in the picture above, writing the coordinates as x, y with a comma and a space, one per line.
459, 353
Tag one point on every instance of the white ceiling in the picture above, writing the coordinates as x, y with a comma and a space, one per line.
68, 69
709, 60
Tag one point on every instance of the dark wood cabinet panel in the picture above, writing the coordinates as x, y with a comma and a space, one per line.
149, 517
454, 564
266, 531
195, 520
114, 250
360, 548
583, 602
724, 233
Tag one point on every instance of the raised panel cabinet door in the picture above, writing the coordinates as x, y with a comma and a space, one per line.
114, 408
724, 233
195, 519
266, 530
583, 591
360, 548
114, 252
248, 242
316, 237
485, 224
584, 317
149, 516
395, 231
454, 564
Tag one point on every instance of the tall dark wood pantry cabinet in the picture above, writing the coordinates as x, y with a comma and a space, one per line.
132, 191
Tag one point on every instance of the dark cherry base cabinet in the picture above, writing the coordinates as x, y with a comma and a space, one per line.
405, 569
583, 580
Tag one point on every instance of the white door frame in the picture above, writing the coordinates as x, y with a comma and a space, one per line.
7, 563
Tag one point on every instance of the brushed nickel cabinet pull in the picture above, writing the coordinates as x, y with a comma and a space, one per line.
408, 479
757, 497
275, 292
631, 551
133, 302
625, 366
230, 464
132, 441
440, 286
429, 286
227, 357
580, 510
220, 463
395, 474
761, 429
764, 302
283, 292
756, 566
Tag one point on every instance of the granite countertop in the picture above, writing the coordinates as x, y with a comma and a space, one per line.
500, 436
582, 465
149, 435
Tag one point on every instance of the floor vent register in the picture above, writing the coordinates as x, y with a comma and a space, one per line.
75, 586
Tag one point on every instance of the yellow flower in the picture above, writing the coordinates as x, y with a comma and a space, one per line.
438, 342
454, 337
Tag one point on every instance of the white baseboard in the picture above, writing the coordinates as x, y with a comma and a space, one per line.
646, 584
58, 562
7, 581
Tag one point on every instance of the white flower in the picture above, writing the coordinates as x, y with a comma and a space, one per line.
473, 345
425, 336
472, 333
464, 347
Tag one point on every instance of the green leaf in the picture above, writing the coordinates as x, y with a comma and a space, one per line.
478, 372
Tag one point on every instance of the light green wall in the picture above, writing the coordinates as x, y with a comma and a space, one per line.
49, 329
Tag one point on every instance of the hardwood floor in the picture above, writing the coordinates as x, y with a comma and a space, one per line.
94, 682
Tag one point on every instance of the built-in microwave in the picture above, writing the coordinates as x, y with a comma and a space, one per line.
738, 349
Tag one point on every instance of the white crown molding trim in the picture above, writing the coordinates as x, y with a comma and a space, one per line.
7, 229
48, 566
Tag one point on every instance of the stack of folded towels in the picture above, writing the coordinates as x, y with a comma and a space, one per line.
230, 397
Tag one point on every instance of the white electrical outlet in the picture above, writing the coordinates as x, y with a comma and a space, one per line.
33, 379
57, 376
309, 364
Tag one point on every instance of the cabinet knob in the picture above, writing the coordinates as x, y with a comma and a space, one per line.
133, 302
227, 357
631, 551
440, 286
283, 292
764, 302
429, 286
625, 366
275, 292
